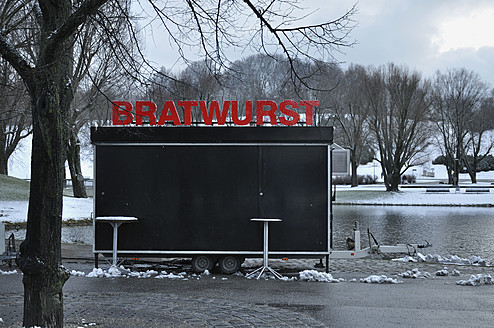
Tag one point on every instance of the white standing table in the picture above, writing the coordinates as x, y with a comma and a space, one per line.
265, 251
115, 222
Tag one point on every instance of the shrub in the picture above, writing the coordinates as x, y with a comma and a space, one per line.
408, 178
347, 180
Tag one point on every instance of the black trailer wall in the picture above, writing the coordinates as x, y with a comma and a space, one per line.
196, 189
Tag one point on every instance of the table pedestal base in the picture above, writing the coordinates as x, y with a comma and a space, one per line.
265, 252
263, 269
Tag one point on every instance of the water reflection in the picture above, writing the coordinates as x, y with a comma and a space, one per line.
70, 234
462, 231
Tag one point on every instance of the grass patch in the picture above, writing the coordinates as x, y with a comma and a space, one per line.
80, 222
13, 189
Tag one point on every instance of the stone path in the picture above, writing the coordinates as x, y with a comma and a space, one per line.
93, 309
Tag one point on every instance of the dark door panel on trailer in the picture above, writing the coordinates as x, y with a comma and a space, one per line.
195, 189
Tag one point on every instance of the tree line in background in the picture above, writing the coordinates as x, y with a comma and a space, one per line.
388, 111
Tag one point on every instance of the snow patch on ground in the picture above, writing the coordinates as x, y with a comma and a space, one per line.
419, 196
375, 279
477, 280
121, 272
73, 208
164, 274
445, 272
450, 259
314, 275
414, 274
81, 208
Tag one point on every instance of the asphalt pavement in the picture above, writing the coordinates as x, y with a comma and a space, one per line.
219, 300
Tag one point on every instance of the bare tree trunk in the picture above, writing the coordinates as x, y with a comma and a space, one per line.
40, 254
4, 169
74, 160
393, 182
473, 175
40, 257
354, 169
450, 174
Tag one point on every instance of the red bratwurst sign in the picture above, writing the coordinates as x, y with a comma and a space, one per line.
124, 113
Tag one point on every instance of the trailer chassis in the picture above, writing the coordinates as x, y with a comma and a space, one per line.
358, 253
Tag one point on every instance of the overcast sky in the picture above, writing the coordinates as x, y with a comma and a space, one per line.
425, 35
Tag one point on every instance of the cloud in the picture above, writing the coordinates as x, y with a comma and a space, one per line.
420, 34
417, 33
479, 60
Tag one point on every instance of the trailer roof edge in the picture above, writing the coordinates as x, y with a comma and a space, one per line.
212, 134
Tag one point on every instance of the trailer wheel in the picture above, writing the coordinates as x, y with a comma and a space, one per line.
230, 264
201, 263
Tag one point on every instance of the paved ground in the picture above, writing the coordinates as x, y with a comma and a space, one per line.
218, 300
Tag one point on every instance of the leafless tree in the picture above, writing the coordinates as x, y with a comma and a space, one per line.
214, 25
399, 110
15, 118
96, 67
261, 77
350, 110
457, 98
14, 114
479, 145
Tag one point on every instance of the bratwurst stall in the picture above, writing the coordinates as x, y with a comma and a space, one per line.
194, 191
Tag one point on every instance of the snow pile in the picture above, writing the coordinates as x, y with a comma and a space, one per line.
406, 258
77, 273
477, 280
83, 321
164, 274
445, 272
442, 273
7, 272
374, 279
114, 272
314, 275
288, 279
99, 273
450, 259
414, 274
453, 259
146, 274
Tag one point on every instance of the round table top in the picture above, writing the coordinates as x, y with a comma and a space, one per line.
116, 219
266, 219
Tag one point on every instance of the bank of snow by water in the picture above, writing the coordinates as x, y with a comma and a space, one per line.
73, 209
376, 195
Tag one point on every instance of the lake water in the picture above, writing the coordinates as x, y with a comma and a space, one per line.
461, 231
70, 234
